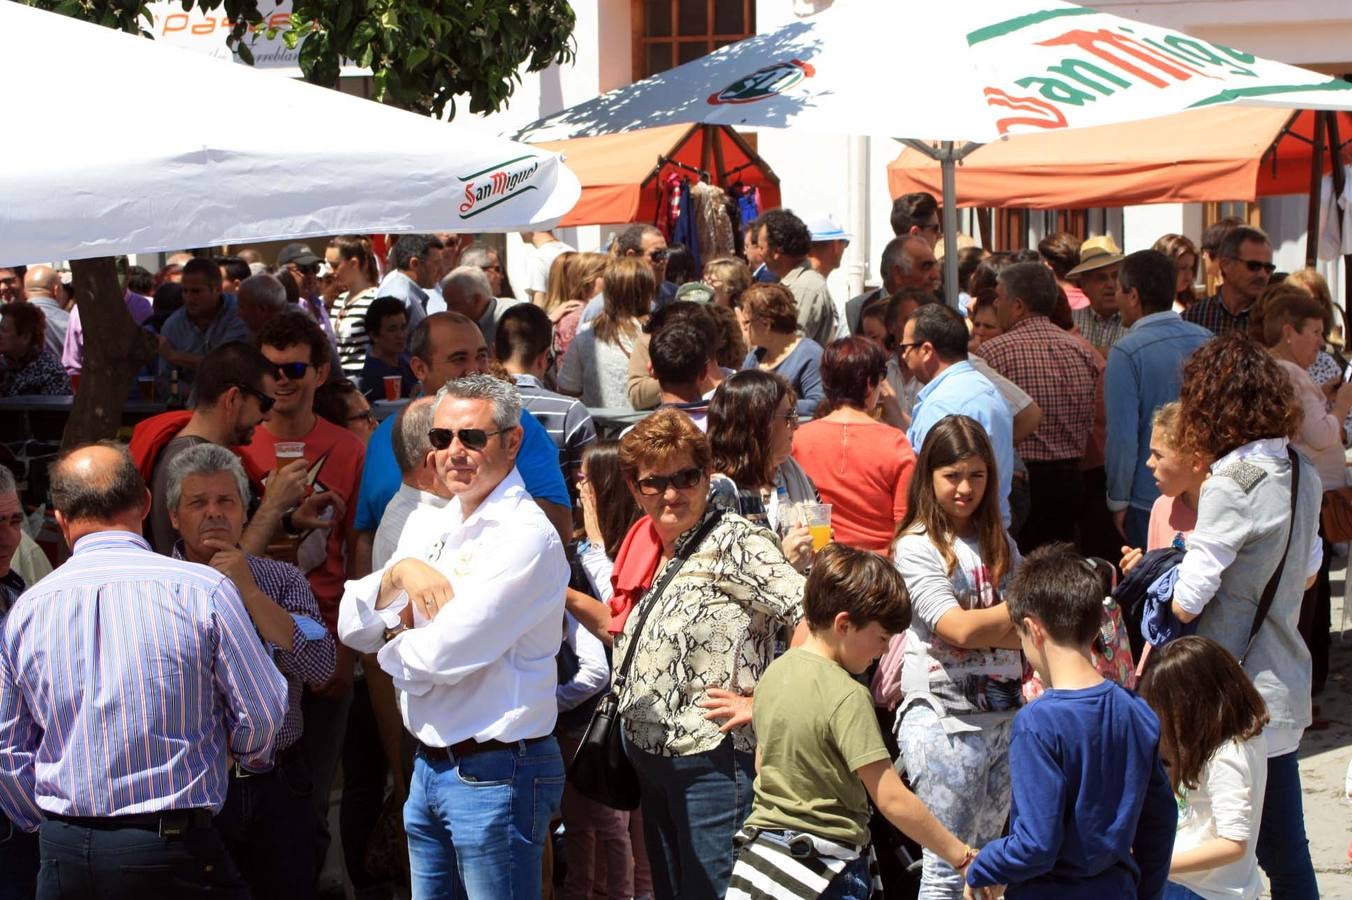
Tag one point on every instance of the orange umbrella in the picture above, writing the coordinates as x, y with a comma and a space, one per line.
1210, 154
620, 173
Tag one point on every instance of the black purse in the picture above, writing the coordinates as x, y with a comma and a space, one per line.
600, 770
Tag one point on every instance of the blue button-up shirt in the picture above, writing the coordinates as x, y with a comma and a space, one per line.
1145, 371
416, 298
961, 390
185, 337
126, 678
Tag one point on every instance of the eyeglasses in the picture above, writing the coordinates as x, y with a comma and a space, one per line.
1255, 266
470, 438
683, 480
791, 417
902, 348
293, 370
658, 256
307, 268
365, 415
491, 268
265, 403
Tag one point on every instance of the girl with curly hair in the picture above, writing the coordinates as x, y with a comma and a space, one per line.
1258, 514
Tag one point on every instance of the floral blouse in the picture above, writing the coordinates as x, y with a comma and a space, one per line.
41, 375
714, 626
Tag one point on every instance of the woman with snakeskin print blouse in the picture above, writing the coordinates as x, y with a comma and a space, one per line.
686, 707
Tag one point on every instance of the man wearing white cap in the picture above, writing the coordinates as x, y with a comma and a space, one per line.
829, 241
1096, 275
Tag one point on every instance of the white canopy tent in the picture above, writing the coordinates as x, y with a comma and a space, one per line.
982, 69
235, 156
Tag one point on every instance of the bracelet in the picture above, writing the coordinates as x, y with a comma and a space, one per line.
967, 857
392, 633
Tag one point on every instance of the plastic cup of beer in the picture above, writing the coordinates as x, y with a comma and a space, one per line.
288, 451
147, 383
817, 518
393, 386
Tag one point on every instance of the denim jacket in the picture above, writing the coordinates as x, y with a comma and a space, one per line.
1145, 371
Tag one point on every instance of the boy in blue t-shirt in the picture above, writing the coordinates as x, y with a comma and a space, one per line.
1093, 815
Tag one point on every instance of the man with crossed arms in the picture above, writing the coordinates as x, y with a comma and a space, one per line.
470, 615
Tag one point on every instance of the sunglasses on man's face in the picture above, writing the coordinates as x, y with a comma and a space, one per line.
294, 371
265, 403
658, 256
655, 485
1255, 266
470, 438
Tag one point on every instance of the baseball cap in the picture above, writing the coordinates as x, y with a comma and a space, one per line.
300, 254
826, 228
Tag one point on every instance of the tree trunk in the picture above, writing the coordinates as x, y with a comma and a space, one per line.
115, 349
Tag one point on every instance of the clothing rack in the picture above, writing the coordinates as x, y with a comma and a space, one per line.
664, 160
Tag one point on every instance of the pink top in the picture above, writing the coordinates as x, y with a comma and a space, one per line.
863, 471
1078, 299
1168, 517
1321, 435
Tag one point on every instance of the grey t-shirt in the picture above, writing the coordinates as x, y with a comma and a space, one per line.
162, 533
971, 683
597, 370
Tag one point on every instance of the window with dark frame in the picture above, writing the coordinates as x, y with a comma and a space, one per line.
668, 33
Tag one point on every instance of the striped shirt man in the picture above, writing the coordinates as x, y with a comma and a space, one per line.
126, 678
566, 420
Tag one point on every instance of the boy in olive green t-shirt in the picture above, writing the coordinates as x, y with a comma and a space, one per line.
820, 755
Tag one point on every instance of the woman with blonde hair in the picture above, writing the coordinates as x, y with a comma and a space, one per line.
581, 281
596, 366
728, 276
556, 286
1326, 371
1184, 254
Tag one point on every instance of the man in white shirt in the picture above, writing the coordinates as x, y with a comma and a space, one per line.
545, 248
419, 489
471, 617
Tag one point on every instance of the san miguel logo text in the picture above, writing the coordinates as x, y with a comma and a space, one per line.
1100, 62
763, 83
497, 184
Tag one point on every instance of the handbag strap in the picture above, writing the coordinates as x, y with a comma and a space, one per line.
1270, 590
655, 592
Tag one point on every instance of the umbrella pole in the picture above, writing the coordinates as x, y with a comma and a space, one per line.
1316, 176
948, 156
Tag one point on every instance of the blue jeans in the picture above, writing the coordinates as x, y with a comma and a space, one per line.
692, 807
1137, 527
1179, 892
1283, 850
18, 862
477, 826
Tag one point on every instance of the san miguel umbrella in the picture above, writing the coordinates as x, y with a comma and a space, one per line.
621, 173
235, 156
986, 69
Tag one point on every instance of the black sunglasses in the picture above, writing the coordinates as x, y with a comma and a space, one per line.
659, 256
470, 438
1256, 266
293, 370
265, 403
683, 480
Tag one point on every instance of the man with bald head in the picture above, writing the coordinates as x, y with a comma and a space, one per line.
42, 284
446, 346
261, 298
420, 489
468, 290
132, 680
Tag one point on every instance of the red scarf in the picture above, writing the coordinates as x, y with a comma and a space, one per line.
635, 568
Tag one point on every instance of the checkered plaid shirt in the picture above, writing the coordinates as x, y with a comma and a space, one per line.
1212, 315
1100, 332
1060, 373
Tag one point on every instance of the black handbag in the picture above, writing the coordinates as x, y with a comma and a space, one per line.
600, 770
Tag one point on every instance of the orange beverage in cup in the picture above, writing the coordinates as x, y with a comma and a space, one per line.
147, 383
393, 386
287, 451
817, 518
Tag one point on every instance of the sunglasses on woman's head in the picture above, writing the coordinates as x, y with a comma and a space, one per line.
653, 485
470, 438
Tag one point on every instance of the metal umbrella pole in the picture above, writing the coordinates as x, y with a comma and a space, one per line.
948, 156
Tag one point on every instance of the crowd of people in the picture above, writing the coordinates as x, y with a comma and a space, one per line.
1033, 592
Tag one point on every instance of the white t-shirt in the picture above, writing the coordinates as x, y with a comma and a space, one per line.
1227, 803
596, 370
538, 262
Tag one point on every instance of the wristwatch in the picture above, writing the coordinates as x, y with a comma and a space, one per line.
391, 633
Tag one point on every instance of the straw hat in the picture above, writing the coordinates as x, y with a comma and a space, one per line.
1096, 253
964, 242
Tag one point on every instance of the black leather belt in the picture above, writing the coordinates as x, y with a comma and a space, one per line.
470, 747
170, 823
